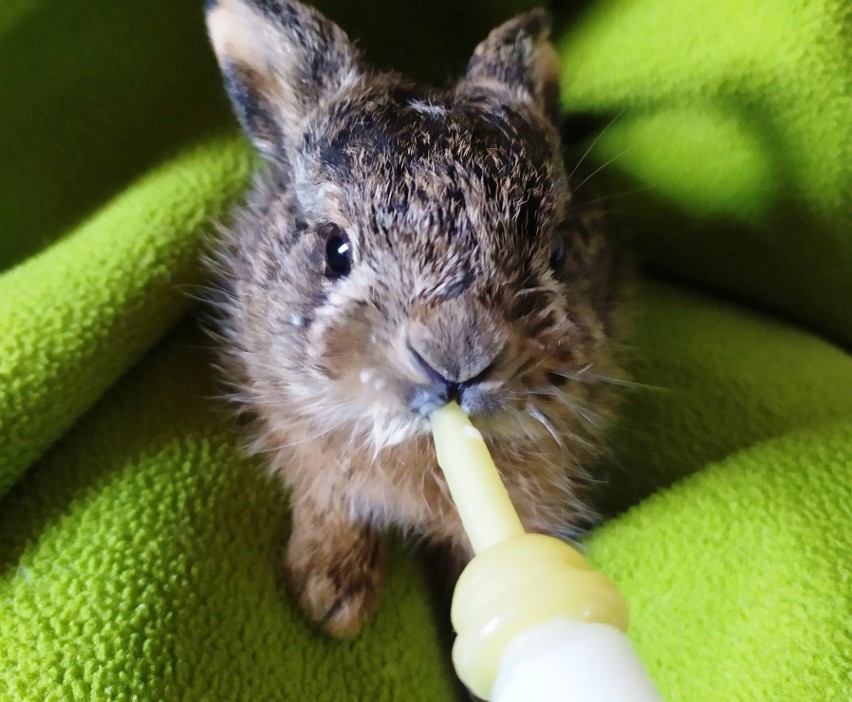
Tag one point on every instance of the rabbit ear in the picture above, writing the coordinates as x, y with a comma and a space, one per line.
279, 60
517, 58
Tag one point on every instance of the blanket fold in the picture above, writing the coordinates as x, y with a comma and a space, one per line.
77, 316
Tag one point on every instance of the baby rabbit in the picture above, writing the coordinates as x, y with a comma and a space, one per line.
405, 246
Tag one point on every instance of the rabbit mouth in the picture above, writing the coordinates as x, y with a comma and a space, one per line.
510, 396
400, 411
474, 398
510, 409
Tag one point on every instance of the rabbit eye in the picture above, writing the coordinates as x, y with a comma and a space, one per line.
338, 252
557, 251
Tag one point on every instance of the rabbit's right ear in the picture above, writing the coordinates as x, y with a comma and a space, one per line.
518, 60
279, 59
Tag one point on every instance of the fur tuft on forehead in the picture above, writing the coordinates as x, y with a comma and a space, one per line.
440, 164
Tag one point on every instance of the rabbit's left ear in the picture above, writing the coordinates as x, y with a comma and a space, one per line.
518, 59
280, 59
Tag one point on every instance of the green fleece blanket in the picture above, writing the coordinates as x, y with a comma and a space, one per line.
139, 548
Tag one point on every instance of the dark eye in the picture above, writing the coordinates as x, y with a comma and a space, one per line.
338, 252
557, 251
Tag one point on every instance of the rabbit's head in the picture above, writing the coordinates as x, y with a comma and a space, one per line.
402, 245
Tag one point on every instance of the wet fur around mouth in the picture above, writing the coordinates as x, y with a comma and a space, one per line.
472, 271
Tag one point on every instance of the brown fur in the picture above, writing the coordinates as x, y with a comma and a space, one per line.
455, 200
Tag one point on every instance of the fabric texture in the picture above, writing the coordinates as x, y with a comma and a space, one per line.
140, 550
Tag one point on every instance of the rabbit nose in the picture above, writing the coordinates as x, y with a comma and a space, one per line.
451, 389
454, 348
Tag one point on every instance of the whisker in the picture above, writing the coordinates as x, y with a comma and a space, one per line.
609, 380
612, 196
533, 291
579, 410
296, 443
614, 158
592, 145
624, 382
539, 416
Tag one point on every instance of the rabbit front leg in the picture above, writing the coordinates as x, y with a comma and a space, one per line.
335, 564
